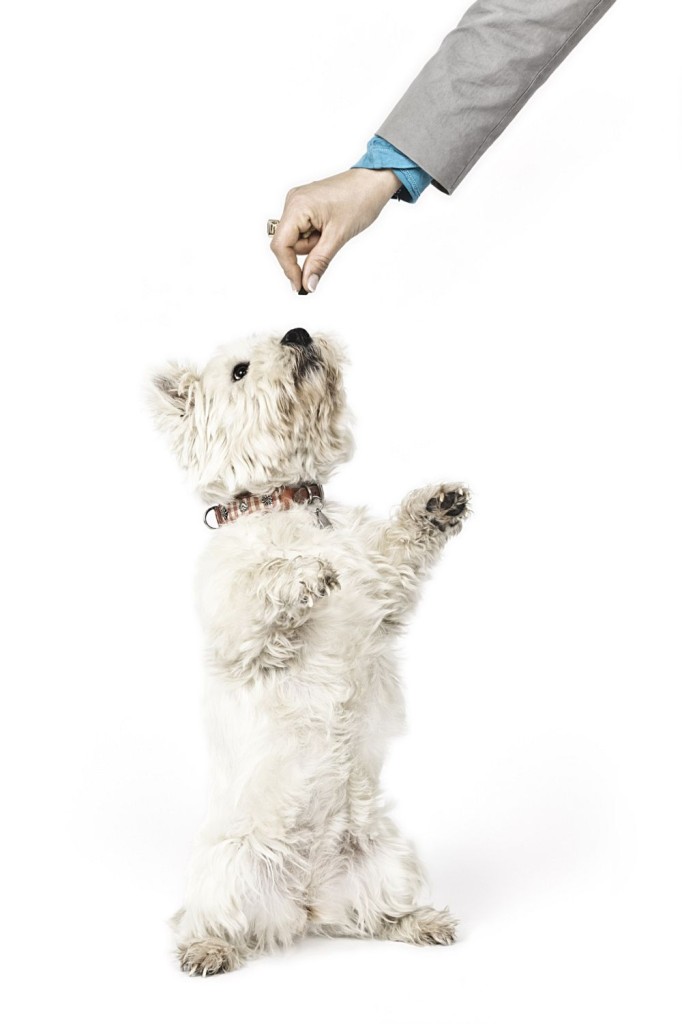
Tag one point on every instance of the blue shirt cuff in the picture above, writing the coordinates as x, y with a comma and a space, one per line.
381, 155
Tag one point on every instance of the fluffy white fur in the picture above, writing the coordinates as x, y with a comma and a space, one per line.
302, 694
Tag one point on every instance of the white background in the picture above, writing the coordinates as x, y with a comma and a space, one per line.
522, 335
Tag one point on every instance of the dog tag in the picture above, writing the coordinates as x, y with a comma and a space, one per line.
322, 520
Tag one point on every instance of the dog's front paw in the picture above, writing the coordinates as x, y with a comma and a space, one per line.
448, 507
317, 579
295, 584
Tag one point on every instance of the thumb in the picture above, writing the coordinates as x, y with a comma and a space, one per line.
319, 259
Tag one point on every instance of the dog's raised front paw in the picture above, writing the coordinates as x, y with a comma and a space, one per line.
318, 578
448, 507
208, 956
294, 584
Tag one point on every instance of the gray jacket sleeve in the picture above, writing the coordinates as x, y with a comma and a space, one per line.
483, 73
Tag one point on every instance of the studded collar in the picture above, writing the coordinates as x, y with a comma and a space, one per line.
281, 498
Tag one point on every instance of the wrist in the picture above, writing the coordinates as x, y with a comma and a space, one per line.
382, 183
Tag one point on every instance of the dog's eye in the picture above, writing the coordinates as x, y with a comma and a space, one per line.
240, 371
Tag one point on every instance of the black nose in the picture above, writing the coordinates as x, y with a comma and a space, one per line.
297, 336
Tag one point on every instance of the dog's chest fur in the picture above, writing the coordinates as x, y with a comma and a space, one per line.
308, 736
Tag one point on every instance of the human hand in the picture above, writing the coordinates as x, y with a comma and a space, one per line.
319, 218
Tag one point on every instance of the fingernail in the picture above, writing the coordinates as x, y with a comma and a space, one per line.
293, 286
313, 282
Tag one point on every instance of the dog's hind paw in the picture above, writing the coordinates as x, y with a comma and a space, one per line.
423, 927
208, 956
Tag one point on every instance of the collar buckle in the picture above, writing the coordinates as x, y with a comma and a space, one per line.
305, 495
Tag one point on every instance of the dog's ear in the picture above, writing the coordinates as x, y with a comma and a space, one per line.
172, 394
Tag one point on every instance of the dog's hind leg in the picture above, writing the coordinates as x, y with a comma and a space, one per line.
242, 899
373, 888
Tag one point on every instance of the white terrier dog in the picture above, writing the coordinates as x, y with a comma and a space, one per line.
300, 601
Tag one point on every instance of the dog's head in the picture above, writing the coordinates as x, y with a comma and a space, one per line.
265, 412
